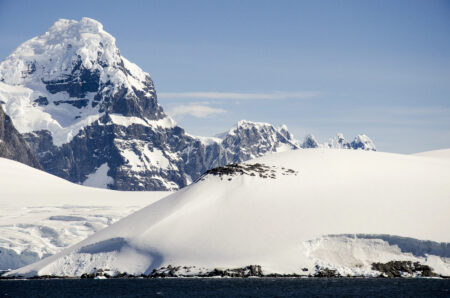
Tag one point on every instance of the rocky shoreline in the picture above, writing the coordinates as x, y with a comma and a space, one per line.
392, 269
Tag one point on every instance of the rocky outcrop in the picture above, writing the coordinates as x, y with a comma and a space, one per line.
253, 170
403, 269
12, 144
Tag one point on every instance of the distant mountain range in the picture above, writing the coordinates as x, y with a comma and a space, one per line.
92, 117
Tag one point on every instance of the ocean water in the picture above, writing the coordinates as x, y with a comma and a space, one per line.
227, 287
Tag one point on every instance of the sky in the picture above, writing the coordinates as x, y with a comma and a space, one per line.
381, 68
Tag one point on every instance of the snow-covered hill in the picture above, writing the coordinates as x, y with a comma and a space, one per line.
41, 214
440, 154
293, 212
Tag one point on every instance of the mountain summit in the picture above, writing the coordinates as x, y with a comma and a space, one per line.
83, 107
73, 74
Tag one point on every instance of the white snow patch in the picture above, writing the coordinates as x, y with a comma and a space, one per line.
62, 123
141, 157
99, 178
126, 121
206, 141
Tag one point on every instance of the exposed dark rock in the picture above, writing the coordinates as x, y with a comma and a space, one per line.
41, 100
249, 271
81, 103
255, 170
78, 83
12, 144
392, 269
401, 268
178, 271
326, 272
103, 142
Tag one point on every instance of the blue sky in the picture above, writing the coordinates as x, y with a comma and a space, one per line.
321, 67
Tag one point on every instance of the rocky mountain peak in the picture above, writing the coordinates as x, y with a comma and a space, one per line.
339, 142
248, 140
70, 76
310, 142
67, 44
363, 142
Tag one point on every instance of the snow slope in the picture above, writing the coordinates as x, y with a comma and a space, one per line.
315, 208
40, 214
443, 154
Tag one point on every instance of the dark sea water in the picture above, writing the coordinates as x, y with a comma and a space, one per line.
260, 287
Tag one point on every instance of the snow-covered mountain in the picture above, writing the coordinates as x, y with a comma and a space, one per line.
360, 142
310, 142
41, 214
338, 142
248, 140
244, 141
307, 212
87, 111
363, 142
12, 144
92, 117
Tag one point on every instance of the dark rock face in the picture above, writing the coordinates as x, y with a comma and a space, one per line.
402, 268
41, 100
199, 157
105, 142
81, 103
78, 83
12, 144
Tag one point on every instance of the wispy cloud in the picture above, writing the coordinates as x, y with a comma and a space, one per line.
195, 110
238, 96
